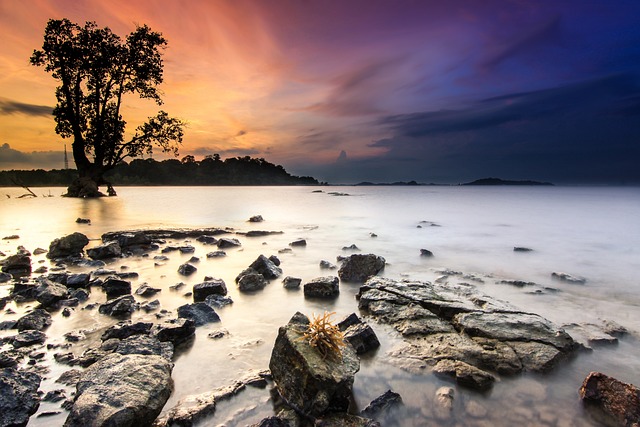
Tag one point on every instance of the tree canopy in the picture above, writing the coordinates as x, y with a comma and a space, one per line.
95, 69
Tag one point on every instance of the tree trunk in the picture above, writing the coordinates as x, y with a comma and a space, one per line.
88, 181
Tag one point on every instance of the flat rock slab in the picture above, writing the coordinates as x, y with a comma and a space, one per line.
122, 390
458, 324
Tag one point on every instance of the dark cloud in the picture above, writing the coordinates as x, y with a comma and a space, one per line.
8, 106
15, 159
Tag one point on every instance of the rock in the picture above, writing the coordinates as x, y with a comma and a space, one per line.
465, 374
358, 267
39, 251
48, 293
11, 237
426, 253
256, 218
568, 278
291, 282
309, 382
521, 249
128, 240
70, 377
71, 245
145, 345
80, 280
79, 294
18, 396
147, 291
207, 240
211, 287
251, 282
216, 254
114, 287
217, 334
272, 422
187, 269
28, 338
122, 390
352, 247
75, 336
36, 320
177, 286
381, 404
201, 313
345, 420
150, 305
105, 251
326, 265
218, 301
125, 329
322, 287
17, 265
266, 268
285, 251
227, 243
6, 361
299, 242
618, 401
121, 306
361, 337
187, 249
590, 335
54, 396
444, 397
83, 220
5, 277
274, 259
175, 331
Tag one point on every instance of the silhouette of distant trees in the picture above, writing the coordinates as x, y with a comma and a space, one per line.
95, 69
211, 170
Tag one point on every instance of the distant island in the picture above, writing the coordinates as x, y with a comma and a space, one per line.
209, 171
367, 183
498, 181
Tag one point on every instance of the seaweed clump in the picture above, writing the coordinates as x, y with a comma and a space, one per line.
324, 336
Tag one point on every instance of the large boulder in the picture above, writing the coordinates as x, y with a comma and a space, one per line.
266, 267
322, 287
211, 287
308, 381
200, 312
18, 396
105, 251
359, 267
66, 246
49, 293
17, 265
35, 320
122, 390
115, 287
612, 399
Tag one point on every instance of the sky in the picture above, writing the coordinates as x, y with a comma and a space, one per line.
364, 90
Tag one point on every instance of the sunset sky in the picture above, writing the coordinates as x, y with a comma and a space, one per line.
350, 90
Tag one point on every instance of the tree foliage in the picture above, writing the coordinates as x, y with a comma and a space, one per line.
95, 69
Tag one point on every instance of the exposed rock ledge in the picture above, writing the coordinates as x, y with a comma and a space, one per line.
459, 324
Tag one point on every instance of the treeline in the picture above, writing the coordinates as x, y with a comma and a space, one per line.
209, 171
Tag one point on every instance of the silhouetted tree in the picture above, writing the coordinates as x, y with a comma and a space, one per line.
96, 68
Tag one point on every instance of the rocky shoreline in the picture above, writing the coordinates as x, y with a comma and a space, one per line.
447, 328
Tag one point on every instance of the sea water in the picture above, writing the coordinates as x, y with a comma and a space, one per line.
592, 232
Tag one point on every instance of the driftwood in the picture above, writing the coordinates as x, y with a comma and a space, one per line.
29, 194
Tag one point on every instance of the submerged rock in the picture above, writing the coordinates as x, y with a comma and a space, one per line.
225, 242
49, 293
251, 282
201, 313
18, 396
17, 265
568, 278
612, 398
36, 320
309, 382
211, 287
291, 282
359, 267
115, 287
175, 331
322, 287
122, 390
71, 245
382, 403
105, 251
187, 269
266, 267
121, 306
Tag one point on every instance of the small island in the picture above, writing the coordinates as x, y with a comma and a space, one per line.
498, 181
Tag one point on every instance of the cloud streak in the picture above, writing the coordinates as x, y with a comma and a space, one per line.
8, 107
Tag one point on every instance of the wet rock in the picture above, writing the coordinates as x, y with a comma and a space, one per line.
80, 280
145, 345
291, 282
345, 420
6, 361
358, 267
285, 251
175, 331
309, 382
145, 290
41, 270
75, 336
28, 338
11, 237
322, 287
200, 312
79, 294
298, 243
187, 269
426, 253
266, 268
251, 282
123, 390
36, 320
114, 287
590, 335
217, 334
444, 397
121, 306
177, 286
125, 329
17, 265
5, 277
127, 275
129, 239
39, 251
272, 422
207, 240
326, 265
150, 305
362, 337
71, 245
18, 396
381, 404
256, 218
211, 287
218, 301
274, 259
465, 374
70, 377
105, 251
49, 293
54, 396
612, 399
186, 249
351, 247
225, 242
521, 249
517, 283
568, 278
216, 254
